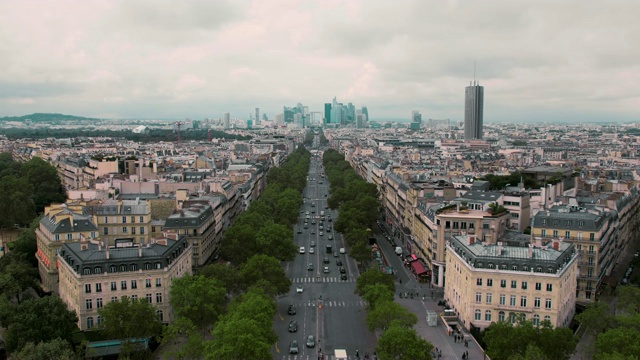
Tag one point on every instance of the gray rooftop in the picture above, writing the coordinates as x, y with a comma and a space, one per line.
76, 223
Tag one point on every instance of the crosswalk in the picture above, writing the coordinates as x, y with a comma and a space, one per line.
314, 356
322, 279
333, 304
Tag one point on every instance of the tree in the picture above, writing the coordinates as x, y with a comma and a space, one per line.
402, 343
623, 341
27, 243
16, 275
533, 353
361, 253
128, 319
238, 338
45, 181
628, 299
191, 340
276, 240
227, 274
200, 299
37, 320
375, 294
373, 277
267, 268
387, 312
597, 317
56, 349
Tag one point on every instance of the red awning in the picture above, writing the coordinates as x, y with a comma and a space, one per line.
418, 268
414, 257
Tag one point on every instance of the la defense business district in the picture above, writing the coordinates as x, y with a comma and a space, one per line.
481, 224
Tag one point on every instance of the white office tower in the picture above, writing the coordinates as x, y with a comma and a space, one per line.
279, 119
226, 120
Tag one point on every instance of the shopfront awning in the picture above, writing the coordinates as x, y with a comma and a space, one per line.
418, 268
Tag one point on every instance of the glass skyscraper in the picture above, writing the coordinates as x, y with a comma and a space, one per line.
473, 109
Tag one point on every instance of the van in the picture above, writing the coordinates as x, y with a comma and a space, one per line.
329, 249
322, 213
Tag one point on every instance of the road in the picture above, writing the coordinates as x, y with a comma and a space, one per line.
338, 320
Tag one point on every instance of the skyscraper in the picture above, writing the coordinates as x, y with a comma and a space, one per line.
365, 112
226, 120
473, 109
257, 116
327, 113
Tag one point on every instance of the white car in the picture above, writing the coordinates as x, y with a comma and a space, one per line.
312, 250
302, 250
299, 289
342, 251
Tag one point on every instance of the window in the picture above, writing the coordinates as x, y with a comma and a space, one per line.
549, 287
123, 268
478, 298
536, 320
524, 285
567, 234
141, 219
514, 267
489, 282
158, 298
489, 298
158, 266
89, 322
112, 268
523, 301
133, 230
503, 266
478, 315
503, 283
543, 232
123, 285
160, 317
134, 284
124, 219
105, 231
100, 320
487, 315
536, 303
547, 318
124, 229
69, 236
134, 297
158, 282
147, 266
106, 220
87, 288
133, 219
501, 316
592, 236
114, 298
56, 237
99, 303
547, 303
515, 215
514, 284
147, 283
113, 286
512, 300
133, 267
149, 298
503, 299
555, 233
88, 304
512, 318
538, 286
153, 229
97, 270
98, 287
479, 281
141, 230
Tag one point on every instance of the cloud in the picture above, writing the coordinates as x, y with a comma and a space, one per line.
195, 59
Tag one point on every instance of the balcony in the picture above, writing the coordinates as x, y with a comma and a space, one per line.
514, 308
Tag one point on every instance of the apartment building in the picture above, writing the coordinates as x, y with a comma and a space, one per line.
121, 220
91, 275
196, 222
592, 230
60, 224
494, 282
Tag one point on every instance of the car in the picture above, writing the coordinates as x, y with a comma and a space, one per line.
313, 211
330, 237
325, 260
313, 222
325, 195
299, 289
293, 326
321, 227
335, 254
291, 310
343, 251
299, 231
302, 250
329, 220
320, 233
293, 347
306, 226
313, 232
338, 262
343, 270
311, 341
312, 250
313, 205
310, 267
312, 244
308, 217
307, 213
325, 270
343, 276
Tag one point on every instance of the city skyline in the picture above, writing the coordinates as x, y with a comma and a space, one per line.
544, 62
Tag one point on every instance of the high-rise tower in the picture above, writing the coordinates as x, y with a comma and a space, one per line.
473, 109
257, 116
226, 120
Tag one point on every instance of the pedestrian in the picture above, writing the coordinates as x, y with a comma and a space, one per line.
467, 354
466, 343
464, 357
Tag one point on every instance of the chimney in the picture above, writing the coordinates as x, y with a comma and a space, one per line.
499, 248
539, 242
472, 240
556, 244
107, 247
139, 250
99, 245
530, 251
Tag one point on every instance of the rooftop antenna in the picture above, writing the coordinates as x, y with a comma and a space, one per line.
474, 73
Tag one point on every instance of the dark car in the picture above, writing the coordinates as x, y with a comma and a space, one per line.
291, 310
311, 341
343, 270
343, 276
299, 231
310, 267
339, 262
293, 326
293, 347
326, 260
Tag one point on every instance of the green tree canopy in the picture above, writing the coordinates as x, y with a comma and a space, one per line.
402, 343
597, 317
55, 349
623, 341
374, 277
386, 313
227, 274
200, 299
375, 294
267, 268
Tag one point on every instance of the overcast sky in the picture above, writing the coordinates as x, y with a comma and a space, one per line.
538, 60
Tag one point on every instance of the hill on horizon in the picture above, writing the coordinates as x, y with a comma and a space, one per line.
42, 117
